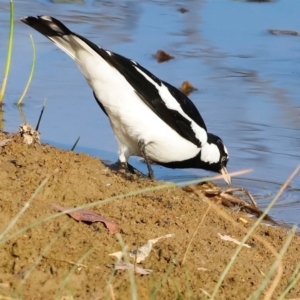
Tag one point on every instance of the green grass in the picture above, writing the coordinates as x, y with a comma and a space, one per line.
9, 51
31, 73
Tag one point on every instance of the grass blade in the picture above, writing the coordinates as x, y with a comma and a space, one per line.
194, 234
1, 117
40, 117
294, 279
73, 269
26, 205
134, 294
31, 72
155, 291
9, 50
22, 115
246, 237
74, 146
268, 276
41, 256
100, 202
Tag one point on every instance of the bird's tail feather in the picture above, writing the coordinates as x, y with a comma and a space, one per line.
54, 30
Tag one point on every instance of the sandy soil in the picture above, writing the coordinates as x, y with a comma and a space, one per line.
62, 258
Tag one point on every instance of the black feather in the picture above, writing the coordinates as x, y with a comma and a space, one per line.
51, 27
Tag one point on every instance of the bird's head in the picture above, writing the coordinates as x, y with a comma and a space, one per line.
214, 156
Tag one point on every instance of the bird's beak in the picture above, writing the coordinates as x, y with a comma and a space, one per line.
226, 175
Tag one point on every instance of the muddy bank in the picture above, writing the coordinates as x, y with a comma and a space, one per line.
63, 257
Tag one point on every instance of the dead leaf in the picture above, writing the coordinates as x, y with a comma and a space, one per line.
4, 142
187, 88
129, 266
243, 220
183, 10
85, 215
283, 32
230, 239
118, 255
141, 253
29, 134
162, 56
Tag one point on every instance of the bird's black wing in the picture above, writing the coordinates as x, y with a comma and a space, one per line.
149, 93
186, 104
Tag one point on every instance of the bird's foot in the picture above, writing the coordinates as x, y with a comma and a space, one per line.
132, 170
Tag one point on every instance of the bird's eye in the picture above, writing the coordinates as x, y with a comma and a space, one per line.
224, 158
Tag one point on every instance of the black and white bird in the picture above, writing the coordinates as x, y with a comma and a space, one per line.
150, 118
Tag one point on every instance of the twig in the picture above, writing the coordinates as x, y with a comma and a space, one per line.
230, 190
242, 203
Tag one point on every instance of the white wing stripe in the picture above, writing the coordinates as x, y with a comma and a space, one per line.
171, 103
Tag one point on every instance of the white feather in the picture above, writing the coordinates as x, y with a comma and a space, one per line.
210, 153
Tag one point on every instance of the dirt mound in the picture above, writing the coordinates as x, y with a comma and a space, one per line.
60, 257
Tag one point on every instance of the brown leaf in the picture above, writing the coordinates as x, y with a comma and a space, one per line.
162, 56
187, 88
88, 216
183, 10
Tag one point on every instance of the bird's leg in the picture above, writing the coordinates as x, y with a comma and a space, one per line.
142, 145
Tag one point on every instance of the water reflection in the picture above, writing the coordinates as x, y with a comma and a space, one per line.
68, 1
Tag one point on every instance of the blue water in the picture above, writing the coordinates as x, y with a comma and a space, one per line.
247, 80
